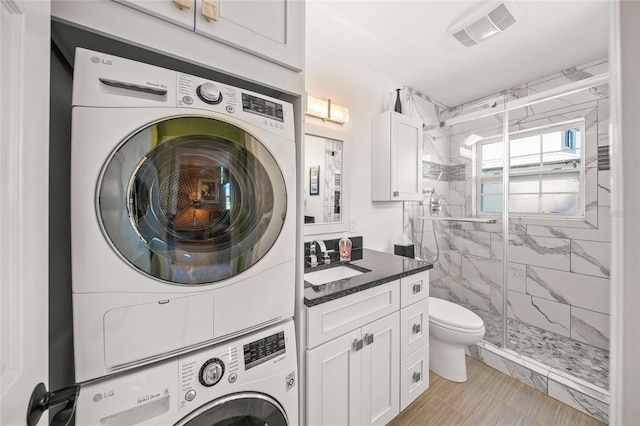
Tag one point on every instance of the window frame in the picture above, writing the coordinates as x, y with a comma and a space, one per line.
479, 180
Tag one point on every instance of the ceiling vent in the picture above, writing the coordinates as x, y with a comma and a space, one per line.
477, 29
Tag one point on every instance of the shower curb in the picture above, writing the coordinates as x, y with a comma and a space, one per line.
579, 394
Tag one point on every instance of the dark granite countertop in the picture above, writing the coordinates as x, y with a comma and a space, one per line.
382, 268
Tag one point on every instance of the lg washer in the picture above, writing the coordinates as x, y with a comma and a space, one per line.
248, 381
182, 212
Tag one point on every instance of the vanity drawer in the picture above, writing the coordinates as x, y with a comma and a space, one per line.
337, 317
414, 376
414, 288
414, 327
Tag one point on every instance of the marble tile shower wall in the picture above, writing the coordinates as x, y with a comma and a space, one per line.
558, 270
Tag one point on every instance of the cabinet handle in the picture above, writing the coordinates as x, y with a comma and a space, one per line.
417, 288
183, 4
368, 339
416, 328
209, 11
358, 344
396, 193
416, 377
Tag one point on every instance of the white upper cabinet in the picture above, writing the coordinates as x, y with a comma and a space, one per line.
179, 12
396, 158
272, 29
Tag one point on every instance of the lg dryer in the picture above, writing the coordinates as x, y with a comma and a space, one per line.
183, 212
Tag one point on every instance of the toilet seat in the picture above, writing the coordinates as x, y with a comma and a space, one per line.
455, 317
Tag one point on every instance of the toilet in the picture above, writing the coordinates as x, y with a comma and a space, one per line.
451, 328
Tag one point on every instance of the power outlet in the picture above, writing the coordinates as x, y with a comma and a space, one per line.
353, 226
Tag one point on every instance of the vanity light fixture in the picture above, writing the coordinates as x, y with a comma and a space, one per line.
327, 110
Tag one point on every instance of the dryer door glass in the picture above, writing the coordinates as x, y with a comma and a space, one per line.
191, 200
243, 409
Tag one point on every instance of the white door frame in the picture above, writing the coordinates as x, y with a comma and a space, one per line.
625, 208
24, 198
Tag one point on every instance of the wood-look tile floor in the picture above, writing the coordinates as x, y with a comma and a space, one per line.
488, 397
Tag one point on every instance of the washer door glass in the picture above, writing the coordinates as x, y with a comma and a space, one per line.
191, 200
243, 409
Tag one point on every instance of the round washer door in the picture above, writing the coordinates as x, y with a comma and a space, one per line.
242, 409
191, 200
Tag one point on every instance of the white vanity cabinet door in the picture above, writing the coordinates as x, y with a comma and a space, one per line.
380, 375
272, 29
414, 288
396, 158
414, 376
334, 382
414, 327
179, 12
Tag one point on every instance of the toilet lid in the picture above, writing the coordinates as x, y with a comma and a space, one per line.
446, 313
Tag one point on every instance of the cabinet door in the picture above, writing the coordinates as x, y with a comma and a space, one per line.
414, 288
414, 376
334, 382
272, 29
380, 374
179, 12
406, 158
414, 327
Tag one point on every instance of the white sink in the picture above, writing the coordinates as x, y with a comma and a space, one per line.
332, 274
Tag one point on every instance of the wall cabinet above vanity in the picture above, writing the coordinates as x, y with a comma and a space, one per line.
396, 158
272, 29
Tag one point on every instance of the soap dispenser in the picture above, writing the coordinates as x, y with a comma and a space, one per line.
344, 246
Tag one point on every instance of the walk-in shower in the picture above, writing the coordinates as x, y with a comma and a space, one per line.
523, 233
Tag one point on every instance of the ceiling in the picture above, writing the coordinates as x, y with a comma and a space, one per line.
408, 42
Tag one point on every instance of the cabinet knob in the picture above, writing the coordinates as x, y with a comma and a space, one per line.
417, 288
368, 339
396, 193
416, 377
209, 11
416, 328
183, 4
358, 344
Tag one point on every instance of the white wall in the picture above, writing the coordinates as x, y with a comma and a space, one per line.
366, 93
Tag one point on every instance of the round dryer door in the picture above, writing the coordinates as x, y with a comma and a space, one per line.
191, 200
243, 409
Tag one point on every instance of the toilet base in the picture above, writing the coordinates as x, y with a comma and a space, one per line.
447, 360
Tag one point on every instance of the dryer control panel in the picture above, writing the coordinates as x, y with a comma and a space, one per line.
269, 113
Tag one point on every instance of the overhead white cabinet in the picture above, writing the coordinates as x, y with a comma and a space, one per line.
179, 12
368, 353
396, 158
270, 29
273, 29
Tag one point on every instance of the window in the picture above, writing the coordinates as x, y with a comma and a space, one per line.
546, 172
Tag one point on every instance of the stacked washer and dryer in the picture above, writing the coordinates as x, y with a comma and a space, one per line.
183, 228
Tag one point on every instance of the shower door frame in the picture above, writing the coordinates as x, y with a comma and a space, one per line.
526, 101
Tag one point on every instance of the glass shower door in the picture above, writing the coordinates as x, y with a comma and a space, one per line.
462, 210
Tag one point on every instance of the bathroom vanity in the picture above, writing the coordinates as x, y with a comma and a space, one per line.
367, 338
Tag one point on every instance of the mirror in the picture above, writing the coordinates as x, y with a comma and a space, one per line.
325, 184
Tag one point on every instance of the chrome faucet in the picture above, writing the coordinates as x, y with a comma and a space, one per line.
324, 251
313, 258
